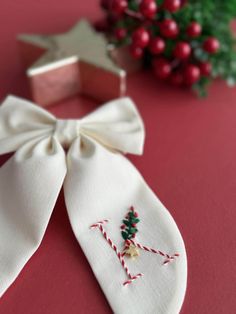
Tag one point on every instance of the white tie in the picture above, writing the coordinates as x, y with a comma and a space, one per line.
99, 184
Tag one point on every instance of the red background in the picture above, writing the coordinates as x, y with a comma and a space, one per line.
189, 161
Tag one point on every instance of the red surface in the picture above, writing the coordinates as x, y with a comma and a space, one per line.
189, 161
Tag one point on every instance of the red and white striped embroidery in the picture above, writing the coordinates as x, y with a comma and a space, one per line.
129, 230
131, 246
131, 277
168, 257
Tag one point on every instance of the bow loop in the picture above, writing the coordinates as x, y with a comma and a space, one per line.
20, 122
116, 125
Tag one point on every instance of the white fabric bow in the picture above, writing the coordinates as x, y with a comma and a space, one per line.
99, 183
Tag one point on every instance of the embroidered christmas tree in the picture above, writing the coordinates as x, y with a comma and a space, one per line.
129, 230
129, 227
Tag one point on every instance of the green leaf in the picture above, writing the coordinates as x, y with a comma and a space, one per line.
131, 214
126, 222
124, 235
200, 86
231, 81
133, 230
133, 5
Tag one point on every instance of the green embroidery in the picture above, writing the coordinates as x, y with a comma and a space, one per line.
129, 227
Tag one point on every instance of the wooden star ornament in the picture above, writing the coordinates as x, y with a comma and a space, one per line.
63, 65
132, 251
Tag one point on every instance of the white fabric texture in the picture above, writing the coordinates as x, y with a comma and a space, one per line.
99, 183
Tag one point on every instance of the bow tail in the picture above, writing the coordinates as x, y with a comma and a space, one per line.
30, 182
99, 189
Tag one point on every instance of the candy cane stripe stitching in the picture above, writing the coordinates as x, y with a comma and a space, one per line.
169, 258
131, 246
99, 225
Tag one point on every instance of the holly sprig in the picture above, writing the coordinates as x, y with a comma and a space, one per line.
129, 226
187, 59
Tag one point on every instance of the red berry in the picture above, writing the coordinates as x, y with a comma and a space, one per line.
172, 5
133, 235
182, 50
136, 52
194, 29
162, 68
169, 28
122, 227
148, 8
119, 6
133, 225
101, 25
136, 214
106, 4
205, 68
191, 74
211, 45
157, 45
140, 37
112, 19
120, 33
177, 78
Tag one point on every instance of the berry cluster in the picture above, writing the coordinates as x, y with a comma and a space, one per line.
151, 30
129, 226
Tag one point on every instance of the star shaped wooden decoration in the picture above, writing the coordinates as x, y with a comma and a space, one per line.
132, 251
62, 65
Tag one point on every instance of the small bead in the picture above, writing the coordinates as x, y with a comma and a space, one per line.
182, 50
191, 74
120, 33
136, 52
169, 28
205, 68
194, 29
157, 45
148, 8
140, 37
172, 5
119, 6
162, 68
211, 45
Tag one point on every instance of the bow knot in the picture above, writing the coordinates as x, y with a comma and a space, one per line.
66, 131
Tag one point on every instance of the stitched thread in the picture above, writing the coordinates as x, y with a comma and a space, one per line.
131, 246
99, 225
168, 257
